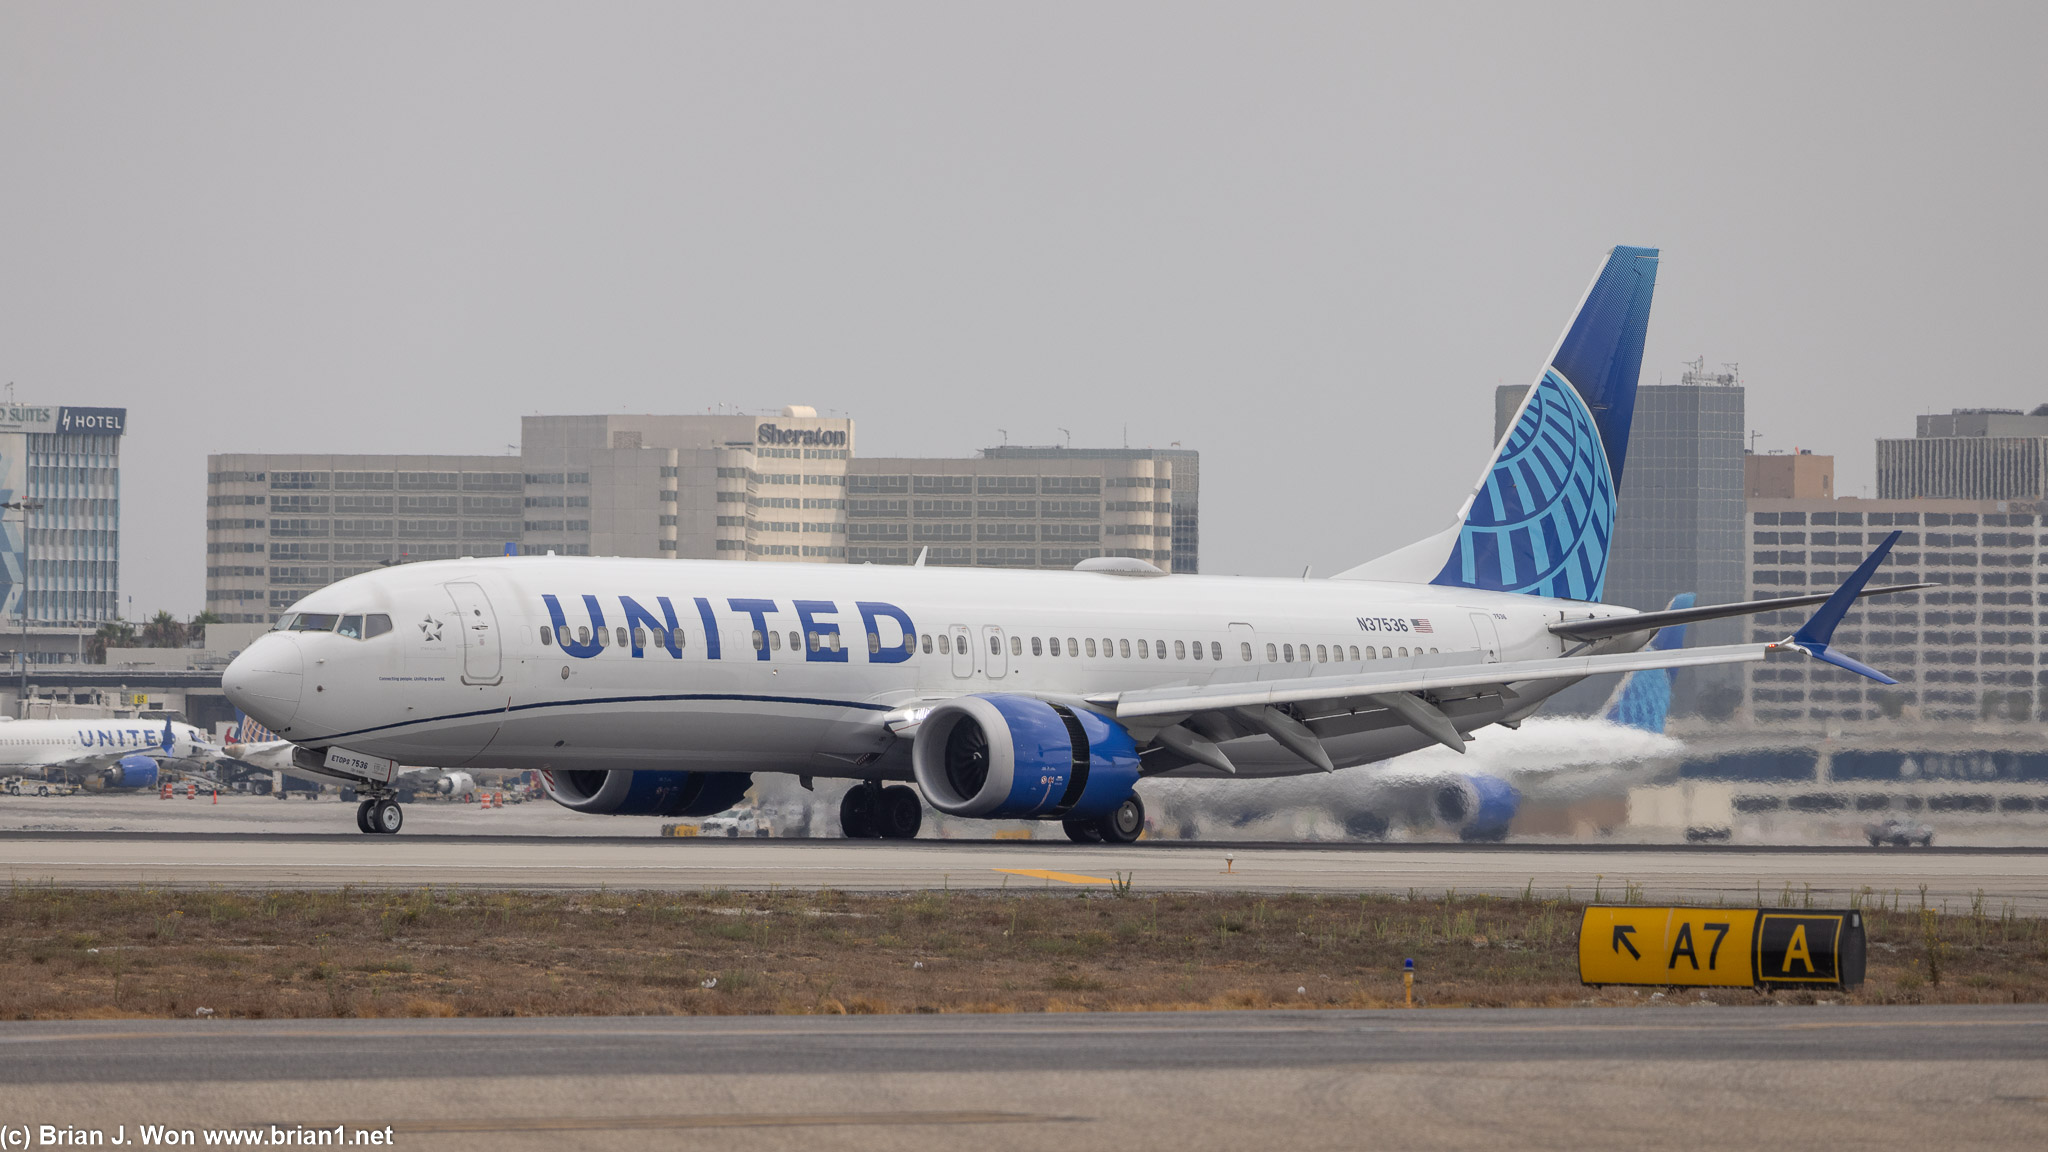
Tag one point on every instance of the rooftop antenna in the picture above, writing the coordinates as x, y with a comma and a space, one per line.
1127, 435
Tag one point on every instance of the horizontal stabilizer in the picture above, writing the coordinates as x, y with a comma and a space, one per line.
1818, 632
1610, 626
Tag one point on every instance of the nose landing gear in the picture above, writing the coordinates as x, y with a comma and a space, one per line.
380, 814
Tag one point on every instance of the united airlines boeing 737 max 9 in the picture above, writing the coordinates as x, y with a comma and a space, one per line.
659, 686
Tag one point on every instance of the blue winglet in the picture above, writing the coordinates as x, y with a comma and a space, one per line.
1814, 635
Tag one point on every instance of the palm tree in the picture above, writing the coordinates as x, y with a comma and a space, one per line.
163, 631
111, 635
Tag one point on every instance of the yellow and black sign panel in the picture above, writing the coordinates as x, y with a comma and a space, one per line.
1691, 946
1720, 947
1809, 948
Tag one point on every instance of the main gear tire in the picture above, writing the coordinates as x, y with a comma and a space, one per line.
1125, 824
857, 816
900, 814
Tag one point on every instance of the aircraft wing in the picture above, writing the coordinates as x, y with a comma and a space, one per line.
100, 761
1192, 721
1336, 689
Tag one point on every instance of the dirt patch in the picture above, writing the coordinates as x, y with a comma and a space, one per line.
80, 953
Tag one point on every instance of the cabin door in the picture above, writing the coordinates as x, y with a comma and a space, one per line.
482, 658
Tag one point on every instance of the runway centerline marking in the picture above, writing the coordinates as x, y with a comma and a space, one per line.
1062, 877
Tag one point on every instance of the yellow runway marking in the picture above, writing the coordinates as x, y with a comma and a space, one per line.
1062, 877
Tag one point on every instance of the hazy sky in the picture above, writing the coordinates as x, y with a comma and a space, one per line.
1305, 239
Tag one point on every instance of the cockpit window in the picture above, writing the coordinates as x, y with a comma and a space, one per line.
284, 621
314, 622
375, 624
351, 627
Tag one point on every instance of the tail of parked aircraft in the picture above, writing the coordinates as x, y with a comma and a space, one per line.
247, 731
1542, 517
1643, 699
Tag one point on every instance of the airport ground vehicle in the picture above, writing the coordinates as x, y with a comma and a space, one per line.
1899, 832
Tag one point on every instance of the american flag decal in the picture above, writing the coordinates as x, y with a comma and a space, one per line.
1421, 625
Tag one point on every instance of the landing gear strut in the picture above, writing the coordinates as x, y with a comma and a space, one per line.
1122, 826
872, 812
380, 815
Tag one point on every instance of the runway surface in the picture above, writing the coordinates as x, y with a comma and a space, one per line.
1737, 876
1597, 1078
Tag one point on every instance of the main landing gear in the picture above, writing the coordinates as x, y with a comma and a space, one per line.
380, 814
1122, 826
872, 812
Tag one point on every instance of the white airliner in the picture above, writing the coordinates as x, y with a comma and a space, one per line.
100, 754
659, 686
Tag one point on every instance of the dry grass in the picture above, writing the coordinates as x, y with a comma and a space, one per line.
78, 953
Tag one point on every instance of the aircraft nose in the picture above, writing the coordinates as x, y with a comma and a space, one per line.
267, 680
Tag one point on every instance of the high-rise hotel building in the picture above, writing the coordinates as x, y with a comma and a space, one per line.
60, 541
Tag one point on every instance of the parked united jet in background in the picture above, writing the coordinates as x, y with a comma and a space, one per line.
1476, 795
659, 686
102, 754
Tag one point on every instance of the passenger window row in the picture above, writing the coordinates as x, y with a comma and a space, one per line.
1332, 653
639, 639
615, 637
1111, 648
940, 643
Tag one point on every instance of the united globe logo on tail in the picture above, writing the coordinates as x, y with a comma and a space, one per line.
1542, 520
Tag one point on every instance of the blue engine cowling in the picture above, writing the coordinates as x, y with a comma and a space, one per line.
612, 792
136, 771
1479, 807
1001, 757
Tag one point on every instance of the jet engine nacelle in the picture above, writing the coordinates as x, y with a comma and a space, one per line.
1479, 807
613, 792
1002, 757
136, 771
455, 784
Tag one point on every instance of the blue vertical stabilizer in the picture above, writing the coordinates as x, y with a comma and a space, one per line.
1643, 699
1542, 519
